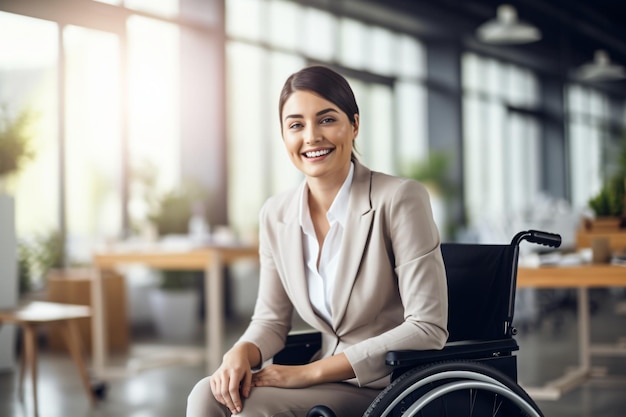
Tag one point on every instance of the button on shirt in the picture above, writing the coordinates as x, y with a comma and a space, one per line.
321, 281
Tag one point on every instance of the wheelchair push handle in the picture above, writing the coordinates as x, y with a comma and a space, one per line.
552, 240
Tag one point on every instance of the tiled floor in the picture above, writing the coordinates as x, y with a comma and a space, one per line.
546, 351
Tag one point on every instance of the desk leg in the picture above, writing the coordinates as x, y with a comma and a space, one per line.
72, 340
571, 379
98, 323
584, 333
30, 351
214, 293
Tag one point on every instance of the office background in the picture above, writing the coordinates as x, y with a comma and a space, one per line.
132, 101
185, 92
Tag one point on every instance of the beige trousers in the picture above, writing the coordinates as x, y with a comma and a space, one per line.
344, 399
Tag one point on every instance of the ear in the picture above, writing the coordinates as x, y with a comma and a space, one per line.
355, 126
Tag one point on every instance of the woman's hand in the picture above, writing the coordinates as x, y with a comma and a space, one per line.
233, 379
284, 376
333, 369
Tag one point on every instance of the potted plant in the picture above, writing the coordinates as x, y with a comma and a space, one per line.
175, 302
432, 172
15, 143
608, 205
15, 151
37, 257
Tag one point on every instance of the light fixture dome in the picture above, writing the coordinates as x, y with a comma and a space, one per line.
600, 69
507, 28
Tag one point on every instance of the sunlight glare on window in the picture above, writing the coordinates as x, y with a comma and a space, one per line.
93, 139
285, 21
28, 83
320, 34
154, 100
352, 43
244, 18
382, 45
411, 57
246, 139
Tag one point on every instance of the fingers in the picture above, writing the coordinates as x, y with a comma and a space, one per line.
233, 391
246, 386
225, 389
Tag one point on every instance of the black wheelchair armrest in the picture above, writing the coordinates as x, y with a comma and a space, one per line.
299, 348
465, 349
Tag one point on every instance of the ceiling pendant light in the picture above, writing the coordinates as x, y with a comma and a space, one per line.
600, 69
507, 29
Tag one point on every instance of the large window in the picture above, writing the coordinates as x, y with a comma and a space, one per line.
500, 140
384, 67
154, 131
104, 101
28, 82
595, 134
93, 138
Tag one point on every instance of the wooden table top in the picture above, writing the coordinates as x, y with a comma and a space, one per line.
192, 259
44, 311
585, 275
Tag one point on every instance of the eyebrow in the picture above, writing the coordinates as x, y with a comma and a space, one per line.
319, 113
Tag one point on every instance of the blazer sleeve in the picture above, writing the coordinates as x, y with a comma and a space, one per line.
271, 320
421, 279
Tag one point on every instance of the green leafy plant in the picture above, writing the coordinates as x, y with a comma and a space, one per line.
169, 211
37, 256
433, 171
15, 141
178, 280
170, 214
610, 200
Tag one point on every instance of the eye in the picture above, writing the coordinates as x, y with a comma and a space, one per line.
295, 125
326, 120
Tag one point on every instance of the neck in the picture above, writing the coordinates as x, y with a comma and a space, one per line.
322, 191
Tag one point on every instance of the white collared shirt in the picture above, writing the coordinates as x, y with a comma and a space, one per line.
321, 281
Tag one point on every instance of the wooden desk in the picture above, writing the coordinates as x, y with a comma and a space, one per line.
581, 277
210, 259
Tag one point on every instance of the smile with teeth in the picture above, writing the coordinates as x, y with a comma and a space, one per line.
315, 154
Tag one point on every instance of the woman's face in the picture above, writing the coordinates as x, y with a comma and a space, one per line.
318, 135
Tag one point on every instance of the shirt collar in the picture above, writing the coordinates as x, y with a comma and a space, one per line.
338, 210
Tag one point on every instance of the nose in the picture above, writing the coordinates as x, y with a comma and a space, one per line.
312, 134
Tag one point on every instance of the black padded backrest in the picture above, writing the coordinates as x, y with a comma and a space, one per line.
480, 284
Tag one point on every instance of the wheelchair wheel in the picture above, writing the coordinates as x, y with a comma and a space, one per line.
453, 389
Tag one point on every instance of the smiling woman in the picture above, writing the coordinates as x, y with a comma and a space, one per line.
385, 68
354, 252
315, 130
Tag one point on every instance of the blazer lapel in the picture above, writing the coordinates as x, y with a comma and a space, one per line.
294, 279
358, 225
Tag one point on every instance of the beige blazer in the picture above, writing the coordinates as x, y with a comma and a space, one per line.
390, 292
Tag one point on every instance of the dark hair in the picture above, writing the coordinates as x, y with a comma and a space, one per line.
324, 82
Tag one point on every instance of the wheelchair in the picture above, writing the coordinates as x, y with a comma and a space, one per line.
475, 374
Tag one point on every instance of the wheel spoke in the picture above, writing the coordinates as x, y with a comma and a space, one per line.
496, 408
472, 400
